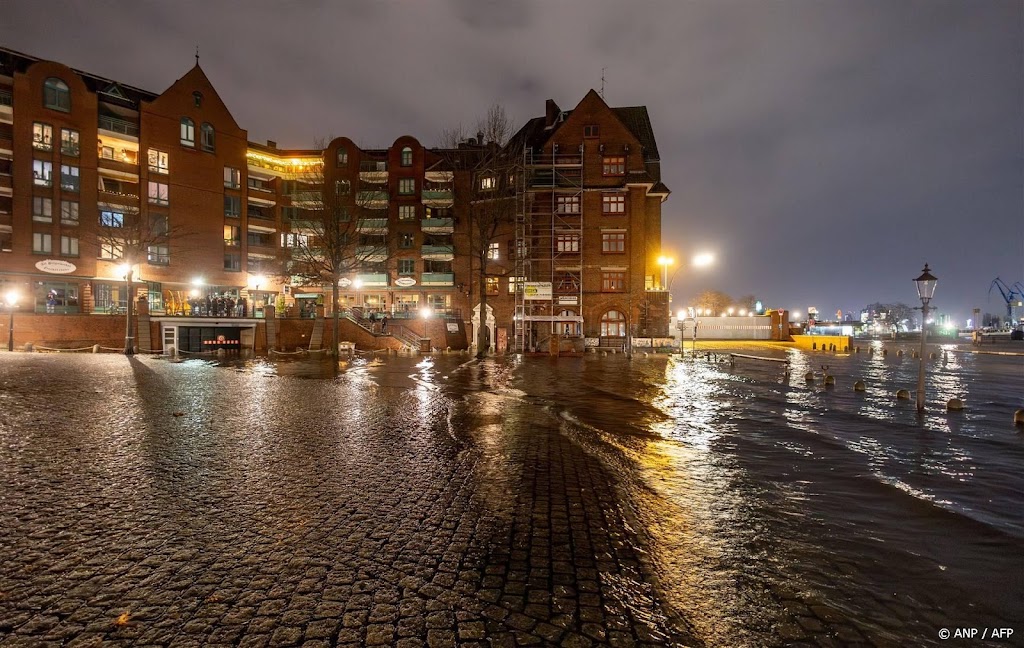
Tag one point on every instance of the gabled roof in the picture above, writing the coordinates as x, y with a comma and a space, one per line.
636, 119
12, 61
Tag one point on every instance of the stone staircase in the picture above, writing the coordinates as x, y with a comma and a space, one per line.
316, 338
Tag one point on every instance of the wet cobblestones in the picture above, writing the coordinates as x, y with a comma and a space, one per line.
284, 512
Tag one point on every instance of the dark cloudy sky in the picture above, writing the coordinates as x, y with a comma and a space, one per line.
823, 149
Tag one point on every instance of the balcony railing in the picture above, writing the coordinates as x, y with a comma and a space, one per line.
258, 212
373, 165
121, 126
373, 279
437, 279
438, 225
372, 199
371, 253
6, 98
373, 225
437, 197
438, 252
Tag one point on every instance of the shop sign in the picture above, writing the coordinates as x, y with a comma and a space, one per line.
56, 266
535, 290
568, 301
453, 327
405, 282
344, 282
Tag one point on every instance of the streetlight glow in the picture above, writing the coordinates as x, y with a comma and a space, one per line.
426, 312
11, 298
703, 259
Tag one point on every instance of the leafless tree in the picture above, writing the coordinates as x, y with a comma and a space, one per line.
332, 238
494, 169
714, 301
129, 238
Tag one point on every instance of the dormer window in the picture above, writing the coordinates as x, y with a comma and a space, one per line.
592, 130
56, 95
406, 157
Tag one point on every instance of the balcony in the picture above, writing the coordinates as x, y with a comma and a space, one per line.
373, 279
373, 226
372, 199
437, 279
120, 198
373, 171
438, 252
6, 184
438, 225
6, 99
438, 197
310, 199
305, 225
118, 127
371, 253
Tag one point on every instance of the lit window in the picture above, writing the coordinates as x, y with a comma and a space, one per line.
111, 250
111, 219
406, 267
614, 204
157, 161
567, 243
232, 178
613, 281
42, 136
158, 255
406, 241
513, 282
158, 193
406, 212
206, 133
593, 130
42, 243
406, 186
487, 183
493, 251
69, 212
613, 324
188, 132
56, 95
69, 246
342, 157
492, 285
406, 156
69, 144
42, 173
613, 242
232, 235
567, 204
68, 177
614, 166
42, 209
232, 206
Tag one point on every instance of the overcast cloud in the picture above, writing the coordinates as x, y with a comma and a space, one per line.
824, 149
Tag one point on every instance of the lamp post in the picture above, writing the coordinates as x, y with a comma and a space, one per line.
925, 289
125, 269
11, 299
665, 262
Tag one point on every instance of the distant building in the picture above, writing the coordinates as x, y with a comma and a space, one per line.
78, 150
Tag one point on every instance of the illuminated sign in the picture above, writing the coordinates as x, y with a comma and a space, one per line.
536, 290
56, 266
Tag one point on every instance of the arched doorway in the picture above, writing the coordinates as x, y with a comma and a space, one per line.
488, 321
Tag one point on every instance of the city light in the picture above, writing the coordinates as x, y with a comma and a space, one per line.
703, 259
426, 312
122, 270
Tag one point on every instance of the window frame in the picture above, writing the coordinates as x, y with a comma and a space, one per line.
56, 89
613, 281
406, 267
158, 198
613, 204
70, 142
71, 242
568, 204
38, 240
232, 178
613, 166
115, 219
159, 157
66, 215
567, 243
607, 322
341, 158
187, 132
73, 173
42, 209
207, 132
235, 201
405, 159
407, 186
41, 178
42, 136
612, 240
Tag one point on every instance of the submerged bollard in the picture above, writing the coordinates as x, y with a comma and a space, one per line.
859, 386
809, 377
830, 381
954, 405
95, 348
903, 394
885, 352
899, 353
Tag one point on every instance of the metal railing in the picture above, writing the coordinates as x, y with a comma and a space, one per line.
6, 98
118, 126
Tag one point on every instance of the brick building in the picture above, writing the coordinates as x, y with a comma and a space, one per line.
577, 260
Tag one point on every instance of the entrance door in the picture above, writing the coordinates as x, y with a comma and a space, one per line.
169, 339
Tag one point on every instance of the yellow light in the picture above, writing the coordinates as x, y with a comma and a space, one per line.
11, 298
122, 270
681, 315
426, 312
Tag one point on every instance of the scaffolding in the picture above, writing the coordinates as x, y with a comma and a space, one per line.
549, 248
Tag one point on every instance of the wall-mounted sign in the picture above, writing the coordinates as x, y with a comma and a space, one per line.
537, 290
405, 282
453, 327
344, 282
56, 266
568, 301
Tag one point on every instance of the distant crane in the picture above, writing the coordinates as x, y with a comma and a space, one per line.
1007, 292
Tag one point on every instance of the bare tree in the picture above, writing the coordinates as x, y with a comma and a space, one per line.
128, 237
714, 301
494, 170
333, 235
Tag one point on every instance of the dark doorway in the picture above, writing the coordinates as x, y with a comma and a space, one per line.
195, 339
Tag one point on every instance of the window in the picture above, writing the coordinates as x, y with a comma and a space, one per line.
109, 185
406, 186
42, 173
232, 206
56, 95
259, 239
291, 240
493, 251
232, 235
197, 99
233, 262
591, 130
206, 134
158, 254
342, 157
513, 282
69, 144
567, 243
42, 209
41, 243
69, 212
188, 132
406, 212
487, 183
111, 250
111, 219
492, 285
68, 177
232, 178
42, 136
614, 166
69, 246
406, 241
567, 204
613, 281
614, 204
159, 224
157, 161
406, 157
343, 215
406, 267
342, 187
613, 324
158, 193
613, 242
6, 242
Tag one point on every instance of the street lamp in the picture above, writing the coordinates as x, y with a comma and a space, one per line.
11, 299
665, 262
925, 289
125, 269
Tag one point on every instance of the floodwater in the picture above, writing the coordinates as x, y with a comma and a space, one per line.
766, 510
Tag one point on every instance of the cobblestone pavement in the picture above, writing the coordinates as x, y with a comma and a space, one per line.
146, 502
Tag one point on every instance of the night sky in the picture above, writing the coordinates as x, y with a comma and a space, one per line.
824, 150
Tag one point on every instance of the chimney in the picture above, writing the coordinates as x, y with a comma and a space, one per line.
551, 112
271, 143
479, 137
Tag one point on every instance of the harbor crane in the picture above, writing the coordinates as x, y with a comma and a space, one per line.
1008, 293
